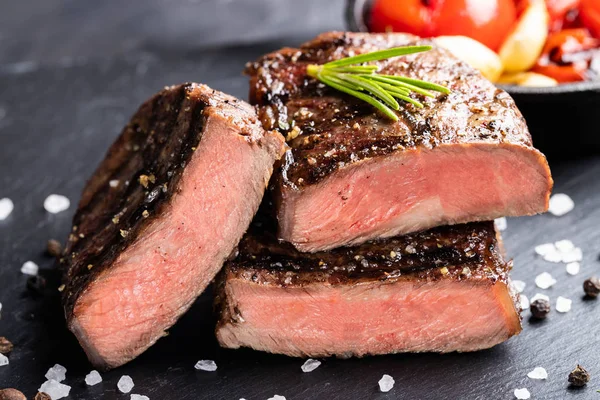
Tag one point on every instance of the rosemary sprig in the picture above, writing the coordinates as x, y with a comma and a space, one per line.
351, 76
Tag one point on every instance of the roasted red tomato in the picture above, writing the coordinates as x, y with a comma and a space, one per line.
561, 12
570, 55
488, 21
590, 14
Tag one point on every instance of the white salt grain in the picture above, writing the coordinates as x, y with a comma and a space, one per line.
386, 383
57, 373
113, 184
524, 302
564, 246
93, 378
310, 365
544, 280
3, 360
545, 248
6, 207
572, 256
206, 365
522, 394
554, 256
538, 373
56, 203
276, 397
138, 397
519, 286
501, 223
573, 268
54, 389
125, 384
30, 268
563, 304
560, 204
539, 296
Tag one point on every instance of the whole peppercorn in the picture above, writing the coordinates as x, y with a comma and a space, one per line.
11, 394
579, 376
540, 308
42, 396
591, 286
5, 345
53, 248
36, 284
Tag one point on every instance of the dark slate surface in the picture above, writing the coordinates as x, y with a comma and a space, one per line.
56, 123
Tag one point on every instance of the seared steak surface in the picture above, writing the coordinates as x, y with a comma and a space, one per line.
159, 216
442, 290
344, 152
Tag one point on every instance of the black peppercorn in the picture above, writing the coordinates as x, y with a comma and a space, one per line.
540, 308
36, 284
591, 286
5, 345
53, 248
12, 394
579, 376
42, 396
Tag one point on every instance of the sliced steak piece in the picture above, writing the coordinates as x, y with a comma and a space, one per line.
441, 290
168, 204
353, 175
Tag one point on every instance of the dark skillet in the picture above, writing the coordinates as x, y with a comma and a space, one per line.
564, 120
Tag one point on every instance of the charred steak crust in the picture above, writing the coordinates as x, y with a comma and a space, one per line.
328, 130
147, 160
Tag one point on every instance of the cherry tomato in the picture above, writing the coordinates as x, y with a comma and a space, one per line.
568, 55
488, 21
560, 10
590, 14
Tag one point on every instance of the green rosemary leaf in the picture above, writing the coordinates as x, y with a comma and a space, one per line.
355, 69
421, 84
378, 55
372, 101
372, 87
397, 83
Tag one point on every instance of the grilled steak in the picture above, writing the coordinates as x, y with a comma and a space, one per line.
168, 204
441, 290
353, 175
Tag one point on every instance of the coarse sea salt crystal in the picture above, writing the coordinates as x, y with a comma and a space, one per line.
560, 204
206, 365
125, 384
519, 286
386, 383
573, 268
310, 365
524, 302
573, 255
30, 268
113, 184
3, 360
553, 256
545, 248
138, 397
539, 296
57, 373
56, 203
6, 207
276, 397
564, 245
93, 378
54, 389
538, 373
544, 280
501, 223
522, 394
563, 304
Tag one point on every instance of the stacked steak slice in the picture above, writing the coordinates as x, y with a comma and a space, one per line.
168, 204
353, 175
353, 181
442, 290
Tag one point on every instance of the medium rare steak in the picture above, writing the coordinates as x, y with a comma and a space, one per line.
441, 290
168, 204
353, 175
